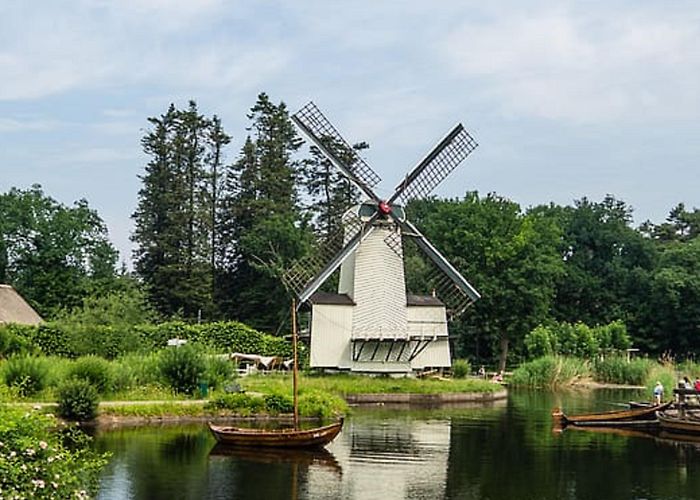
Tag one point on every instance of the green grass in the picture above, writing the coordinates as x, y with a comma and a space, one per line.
617, 370
343, 385
551, 372
162, 409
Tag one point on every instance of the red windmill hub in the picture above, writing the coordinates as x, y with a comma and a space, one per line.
384, 208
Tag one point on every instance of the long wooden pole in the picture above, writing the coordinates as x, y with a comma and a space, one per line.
296, 369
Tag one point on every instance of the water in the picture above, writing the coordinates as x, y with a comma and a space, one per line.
505, 451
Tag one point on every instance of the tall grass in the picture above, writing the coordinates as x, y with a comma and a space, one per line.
617, 370
550, 372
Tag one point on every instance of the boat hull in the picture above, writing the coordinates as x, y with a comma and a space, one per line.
277, 438
640, 416
679, 425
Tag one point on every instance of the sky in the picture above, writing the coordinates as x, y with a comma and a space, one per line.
566, 98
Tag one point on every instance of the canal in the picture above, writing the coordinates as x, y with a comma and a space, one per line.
507, 450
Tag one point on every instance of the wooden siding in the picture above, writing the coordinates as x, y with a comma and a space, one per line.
330, 336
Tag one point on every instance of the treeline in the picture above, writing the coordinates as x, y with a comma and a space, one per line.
213, 231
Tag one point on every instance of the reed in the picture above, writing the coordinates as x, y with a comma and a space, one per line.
550, 372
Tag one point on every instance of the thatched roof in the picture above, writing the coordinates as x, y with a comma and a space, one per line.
14, 309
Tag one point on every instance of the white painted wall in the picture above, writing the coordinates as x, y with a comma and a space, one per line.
331, 325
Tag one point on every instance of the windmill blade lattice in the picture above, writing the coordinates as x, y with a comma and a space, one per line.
302, 272
424, 277
318, 125
435, 167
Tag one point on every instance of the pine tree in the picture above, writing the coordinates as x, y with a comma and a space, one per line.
175, 224
263, 223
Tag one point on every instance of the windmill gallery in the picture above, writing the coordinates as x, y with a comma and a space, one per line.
371, 324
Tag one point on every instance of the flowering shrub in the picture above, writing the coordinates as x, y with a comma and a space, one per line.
40, 461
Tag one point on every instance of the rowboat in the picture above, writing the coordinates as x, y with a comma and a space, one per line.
627, 418
677, 423
278, 438
316, 437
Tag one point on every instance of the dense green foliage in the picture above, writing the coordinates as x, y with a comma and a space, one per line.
312, 403
576, 340
461, 368
27, 374
619, 370
52, 254
96, 371
36, 461
550, 372
77, 400
182, 368
73, 340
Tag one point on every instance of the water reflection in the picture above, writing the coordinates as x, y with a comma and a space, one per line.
504, 451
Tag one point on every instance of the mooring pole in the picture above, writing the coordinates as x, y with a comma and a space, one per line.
296, 369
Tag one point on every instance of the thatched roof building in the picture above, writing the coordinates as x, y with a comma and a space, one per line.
14, 309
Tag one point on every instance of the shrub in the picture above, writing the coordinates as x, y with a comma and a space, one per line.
461, 368
278, 403
240, 403
95, 370
60, 464
77, 400
11, 343
321, 404
25, 373
576, 339
182, 368
219, 371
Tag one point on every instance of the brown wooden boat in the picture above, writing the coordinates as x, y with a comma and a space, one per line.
279, 438
615, 417
687, 423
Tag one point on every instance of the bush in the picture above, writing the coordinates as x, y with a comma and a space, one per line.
550, 372
576, 339
278, 403
37, 461
219, 371
243, 404
321, 404
77, 400
182, 368
95, 370
25, 373
12, 344
461, 368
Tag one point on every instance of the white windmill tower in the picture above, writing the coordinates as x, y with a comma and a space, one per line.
371, 324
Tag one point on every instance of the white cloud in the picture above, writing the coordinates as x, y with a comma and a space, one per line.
600, 65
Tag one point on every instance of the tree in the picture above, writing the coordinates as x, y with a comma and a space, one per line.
330, 192
511, 258
52, 254
176, 227
263, 227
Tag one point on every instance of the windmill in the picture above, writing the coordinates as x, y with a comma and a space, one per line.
371, 324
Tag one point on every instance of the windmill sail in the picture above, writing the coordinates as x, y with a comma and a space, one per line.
436, 166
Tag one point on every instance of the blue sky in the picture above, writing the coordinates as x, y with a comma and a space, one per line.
567, 99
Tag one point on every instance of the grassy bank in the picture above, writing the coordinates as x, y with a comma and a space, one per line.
343, 385
553, 372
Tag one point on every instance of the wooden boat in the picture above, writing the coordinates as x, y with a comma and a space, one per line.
687, 423
640, 416
280, 438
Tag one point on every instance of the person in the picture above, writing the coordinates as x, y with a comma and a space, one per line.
658, 392
686, 383
482, 372
498, 377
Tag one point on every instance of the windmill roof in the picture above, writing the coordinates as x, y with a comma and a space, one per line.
14, 309
423, 300
331, 298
